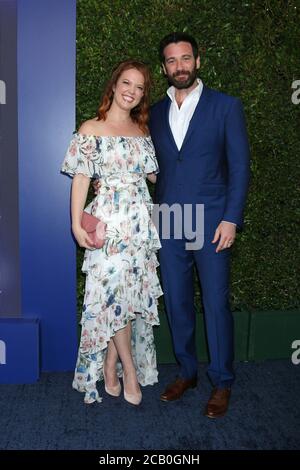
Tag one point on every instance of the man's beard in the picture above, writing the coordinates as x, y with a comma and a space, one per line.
183, 84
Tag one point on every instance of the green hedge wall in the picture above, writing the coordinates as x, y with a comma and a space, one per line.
248, 49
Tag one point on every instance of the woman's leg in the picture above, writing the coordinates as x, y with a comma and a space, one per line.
109, 366
122, 341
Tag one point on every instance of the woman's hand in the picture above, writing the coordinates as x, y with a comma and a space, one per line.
82, 238
152, 177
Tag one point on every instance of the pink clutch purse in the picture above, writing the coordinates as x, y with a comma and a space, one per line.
95, 229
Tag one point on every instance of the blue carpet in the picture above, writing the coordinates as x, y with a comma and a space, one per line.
264, 414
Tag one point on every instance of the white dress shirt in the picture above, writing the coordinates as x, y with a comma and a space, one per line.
179, 118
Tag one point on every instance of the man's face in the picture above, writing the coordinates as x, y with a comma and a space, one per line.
180, 65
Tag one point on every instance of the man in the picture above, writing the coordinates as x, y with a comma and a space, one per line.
201, 144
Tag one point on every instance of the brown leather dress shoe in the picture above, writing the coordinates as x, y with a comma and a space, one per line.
175, 390
218, 403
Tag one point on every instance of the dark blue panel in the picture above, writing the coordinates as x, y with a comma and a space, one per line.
46, 96
9, 221
19, 350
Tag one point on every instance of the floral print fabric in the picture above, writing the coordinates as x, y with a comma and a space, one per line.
121, 279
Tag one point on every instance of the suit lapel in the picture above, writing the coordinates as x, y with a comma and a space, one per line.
199, 114
167, 123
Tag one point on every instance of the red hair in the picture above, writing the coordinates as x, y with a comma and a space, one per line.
140, 113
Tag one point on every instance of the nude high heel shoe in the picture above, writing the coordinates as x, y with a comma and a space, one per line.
132, 398
114, 391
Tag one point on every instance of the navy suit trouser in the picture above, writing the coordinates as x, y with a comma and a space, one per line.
177, 267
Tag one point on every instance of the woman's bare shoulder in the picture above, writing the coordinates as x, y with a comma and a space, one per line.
90, 127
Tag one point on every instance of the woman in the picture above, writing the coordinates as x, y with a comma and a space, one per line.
122, 287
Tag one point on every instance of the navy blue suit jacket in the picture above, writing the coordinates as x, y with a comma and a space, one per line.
212, 166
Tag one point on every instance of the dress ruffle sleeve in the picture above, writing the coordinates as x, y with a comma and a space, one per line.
83, 157
151, 165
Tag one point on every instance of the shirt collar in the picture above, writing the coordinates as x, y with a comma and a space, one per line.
195, 93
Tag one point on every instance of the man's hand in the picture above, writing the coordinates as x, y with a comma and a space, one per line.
152, 177
225, 234
96, 185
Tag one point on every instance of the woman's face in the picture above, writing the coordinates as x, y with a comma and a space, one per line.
129, 89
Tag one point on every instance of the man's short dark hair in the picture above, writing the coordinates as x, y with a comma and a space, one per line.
177, 37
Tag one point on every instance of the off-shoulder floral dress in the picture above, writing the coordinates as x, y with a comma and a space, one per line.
121, 283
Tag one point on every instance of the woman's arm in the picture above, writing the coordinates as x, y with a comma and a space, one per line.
80, 186
151, 177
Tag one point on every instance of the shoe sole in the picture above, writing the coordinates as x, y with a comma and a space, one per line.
215, 417
165, 400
